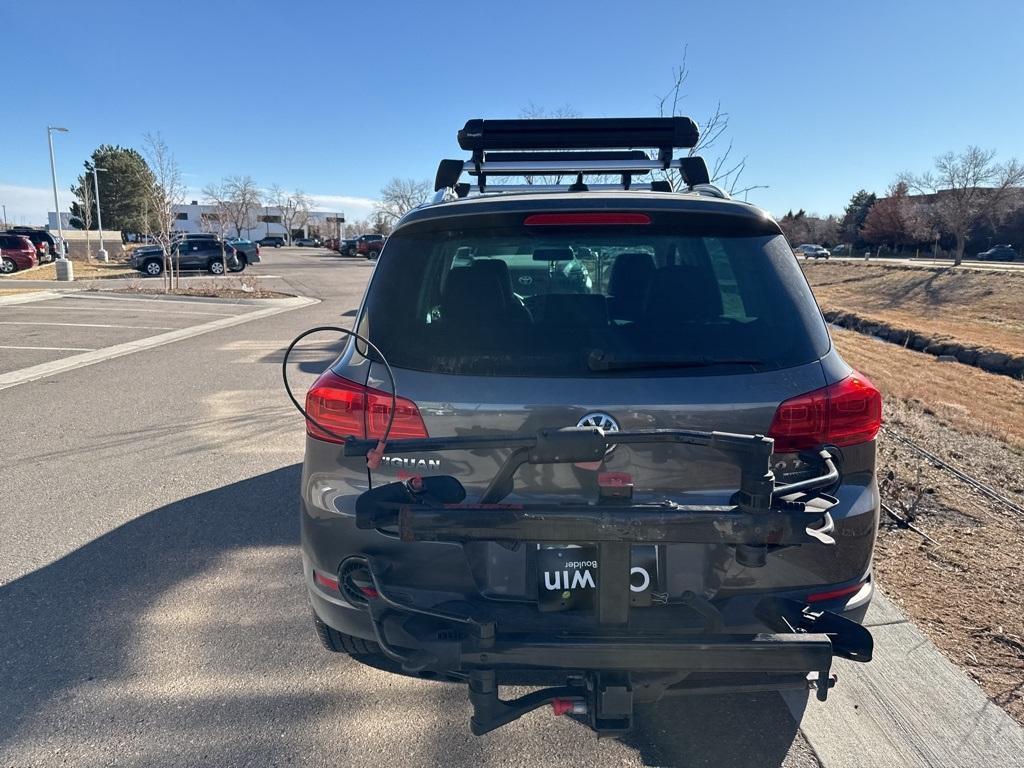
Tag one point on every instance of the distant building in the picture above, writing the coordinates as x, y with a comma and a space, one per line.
197, 217
266, 220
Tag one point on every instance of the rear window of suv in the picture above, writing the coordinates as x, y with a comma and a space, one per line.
515, 302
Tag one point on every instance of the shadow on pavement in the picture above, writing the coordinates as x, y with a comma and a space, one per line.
183, 637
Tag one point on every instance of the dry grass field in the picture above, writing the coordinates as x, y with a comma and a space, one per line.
967, 398
84, 270
973, 307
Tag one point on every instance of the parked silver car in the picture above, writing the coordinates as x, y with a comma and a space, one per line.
811, 251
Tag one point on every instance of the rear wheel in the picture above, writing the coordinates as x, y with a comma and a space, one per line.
153, 268
216, 267
242, 261
7, 266
336, 642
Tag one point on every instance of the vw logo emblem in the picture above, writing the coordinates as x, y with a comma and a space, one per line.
598, 419
602, 420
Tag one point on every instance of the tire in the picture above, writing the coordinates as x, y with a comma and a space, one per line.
335, 642
242, 263
216, 267
153, 268
7, 266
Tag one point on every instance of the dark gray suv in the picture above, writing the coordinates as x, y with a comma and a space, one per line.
619, 454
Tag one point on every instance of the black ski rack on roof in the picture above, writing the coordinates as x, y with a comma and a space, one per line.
577, 147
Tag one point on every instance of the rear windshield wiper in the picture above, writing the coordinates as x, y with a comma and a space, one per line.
599, 360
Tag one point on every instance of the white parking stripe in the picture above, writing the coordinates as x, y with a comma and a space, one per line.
71, 362
52, 349
122, 309
91, 325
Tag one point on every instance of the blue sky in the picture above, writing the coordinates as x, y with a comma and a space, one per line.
335, 98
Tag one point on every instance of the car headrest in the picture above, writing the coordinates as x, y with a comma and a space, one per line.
683, 294
631, 274
479, 292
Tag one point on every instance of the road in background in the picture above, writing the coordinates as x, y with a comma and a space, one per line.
997, 266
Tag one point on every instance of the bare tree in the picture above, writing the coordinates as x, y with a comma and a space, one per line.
535, 112
895, 220
397, 198
803, 227
966, 188
725, 169
294, 208
85, 197
219, 221
164, 192
244, 200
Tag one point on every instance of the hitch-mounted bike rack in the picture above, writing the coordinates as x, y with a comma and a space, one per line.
762, 516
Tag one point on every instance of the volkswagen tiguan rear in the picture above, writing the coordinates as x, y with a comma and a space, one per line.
523, 329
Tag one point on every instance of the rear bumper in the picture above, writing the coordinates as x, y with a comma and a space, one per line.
738, 612
663, 652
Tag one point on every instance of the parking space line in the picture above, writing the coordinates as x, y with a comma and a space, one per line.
93, 325
51, 349
83, 359
130, 309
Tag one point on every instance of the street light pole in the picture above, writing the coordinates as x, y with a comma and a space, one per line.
64, 271
102, 255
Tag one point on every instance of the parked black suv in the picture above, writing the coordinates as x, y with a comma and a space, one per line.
595, 438
271, 241
190, 252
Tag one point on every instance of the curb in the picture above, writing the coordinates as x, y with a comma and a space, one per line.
28, 298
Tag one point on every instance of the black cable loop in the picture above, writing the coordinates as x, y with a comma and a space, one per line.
371, 346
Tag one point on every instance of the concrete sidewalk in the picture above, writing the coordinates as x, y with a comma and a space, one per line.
910, 706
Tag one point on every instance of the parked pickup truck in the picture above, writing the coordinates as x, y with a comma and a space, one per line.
247, 252
369, 245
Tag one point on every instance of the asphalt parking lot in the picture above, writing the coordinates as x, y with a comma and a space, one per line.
57, 326
152, 608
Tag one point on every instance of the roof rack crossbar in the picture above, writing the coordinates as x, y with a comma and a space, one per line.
525, 167
655, 186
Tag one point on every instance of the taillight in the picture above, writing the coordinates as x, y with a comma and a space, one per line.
347, 408
833, 594
845, 413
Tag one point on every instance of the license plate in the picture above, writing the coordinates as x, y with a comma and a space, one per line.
567, 577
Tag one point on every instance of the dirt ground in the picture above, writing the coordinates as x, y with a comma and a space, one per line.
960, 396
222, 288
83, 271
966, 590
970, 306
